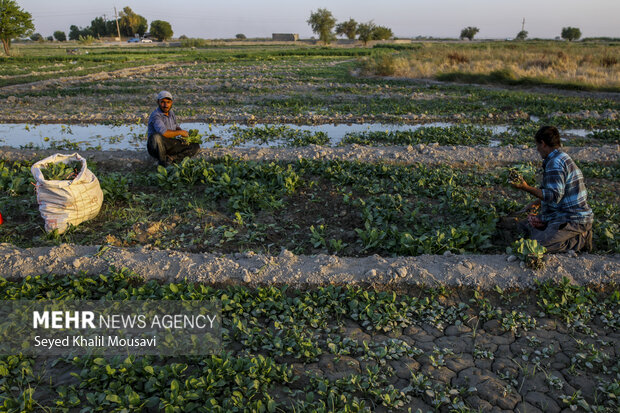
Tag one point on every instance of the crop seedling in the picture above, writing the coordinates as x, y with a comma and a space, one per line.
193, 137
529, 251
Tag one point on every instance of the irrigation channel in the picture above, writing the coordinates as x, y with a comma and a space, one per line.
130, 137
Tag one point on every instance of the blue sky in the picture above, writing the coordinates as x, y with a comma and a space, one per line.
439, 18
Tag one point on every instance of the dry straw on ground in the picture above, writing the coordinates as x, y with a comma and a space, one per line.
592, 65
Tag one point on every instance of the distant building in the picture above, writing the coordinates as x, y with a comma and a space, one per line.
285, 37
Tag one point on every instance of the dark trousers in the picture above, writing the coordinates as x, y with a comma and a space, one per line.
170, 150
560, 237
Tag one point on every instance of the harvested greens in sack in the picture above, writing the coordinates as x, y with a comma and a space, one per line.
67, 191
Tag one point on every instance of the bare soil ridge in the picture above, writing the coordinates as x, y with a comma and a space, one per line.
428, 154
476, 271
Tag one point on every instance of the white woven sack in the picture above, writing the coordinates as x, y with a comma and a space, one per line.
67, 202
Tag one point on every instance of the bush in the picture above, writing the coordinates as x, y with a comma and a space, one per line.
240, 36
502, 75
609, 61
60, 36
456, 58
86, 39
397, 46
193, 42
383, 64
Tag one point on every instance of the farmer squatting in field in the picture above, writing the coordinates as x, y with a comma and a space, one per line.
565, 220
164, 132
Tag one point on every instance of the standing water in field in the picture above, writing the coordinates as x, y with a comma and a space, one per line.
133, 137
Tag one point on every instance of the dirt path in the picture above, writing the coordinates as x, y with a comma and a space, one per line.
478, 271
430, 154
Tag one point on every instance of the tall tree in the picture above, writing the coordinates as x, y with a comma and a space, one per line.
161, 30
131, 23
348, 28
99, 27
14, 22
522, 35
322, 22
365, 30
382, 33
571, 33
469, 32
76, 32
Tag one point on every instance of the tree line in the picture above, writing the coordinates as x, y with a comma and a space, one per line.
15, 23
323, 22
568, 33
130, 24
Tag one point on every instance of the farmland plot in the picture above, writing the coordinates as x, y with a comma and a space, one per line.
428, 312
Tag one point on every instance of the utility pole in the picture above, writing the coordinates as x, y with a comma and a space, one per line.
118, 30
523, 24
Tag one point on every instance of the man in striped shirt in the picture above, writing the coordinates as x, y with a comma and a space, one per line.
565, 220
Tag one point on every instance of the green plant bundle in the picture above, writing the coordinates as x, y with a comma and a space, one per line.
518, 173
529, 251
194, 137
514, 177
61, 171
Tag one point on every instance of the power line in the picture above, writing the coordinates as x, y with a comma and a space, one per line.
55, 14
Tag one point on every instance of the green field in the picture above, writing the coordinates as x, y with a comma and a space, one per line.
328, 348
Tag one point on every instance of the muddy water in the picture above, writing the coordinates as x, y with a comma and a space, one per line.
124, 137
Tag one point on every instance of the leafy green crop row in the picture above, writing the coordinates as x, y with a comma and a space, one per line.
268, 329
230, 205
270, 133
516, 134
452, 135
